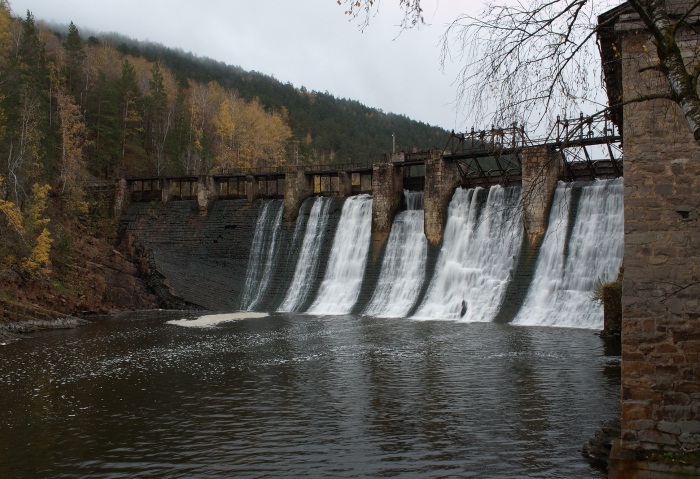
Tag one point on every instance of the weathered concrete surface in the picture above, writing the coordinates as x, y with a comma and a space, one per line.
196, 252
201, 257
251, 188
121, 197
207, 192
541, 169
298, 187
387, 188
661, 286
344, 184
441, 179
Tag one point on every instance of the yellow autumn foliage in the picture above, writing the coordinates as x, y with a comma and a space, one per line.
38, 263
12, 213
34, 219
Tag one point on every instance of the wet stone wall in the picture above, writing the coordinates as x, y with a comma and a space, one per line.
203, 255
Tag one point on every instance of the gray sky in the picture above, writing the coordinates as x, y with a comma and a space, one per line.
310, 43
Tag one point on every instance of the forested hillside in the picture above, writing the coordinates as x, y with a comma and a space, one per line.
324, 128
78, 111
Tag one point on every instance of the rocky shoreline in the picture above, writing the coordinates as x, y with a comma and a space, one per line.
17, 319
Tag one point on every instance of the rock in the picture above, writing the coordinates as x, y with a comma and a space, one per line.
597, 449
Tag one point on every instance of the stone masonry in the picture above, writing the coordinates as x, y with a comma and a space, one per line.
441, 179
298, 187
661, 285
541, 168
387, 187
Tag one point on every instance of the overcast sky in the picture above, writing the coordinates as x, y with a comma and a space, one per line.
310, 43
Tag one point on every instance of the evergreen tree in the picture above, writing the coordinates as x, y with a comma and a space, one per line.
75, 56
130, 104
159, 118
105, 129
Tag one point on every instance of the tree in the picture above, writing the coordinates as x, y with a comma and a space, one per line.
534, 58
159, 117
73, 171
129, 105
75, 55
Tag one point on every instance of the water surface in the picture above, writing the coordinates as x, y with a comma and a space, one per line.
303, 396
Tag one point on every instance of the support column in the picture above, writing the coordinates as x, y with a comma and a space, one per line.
298, 187
441, 179
251, 188
166, 190
542, 167
344, 184
206, 192
122, 197
387, 188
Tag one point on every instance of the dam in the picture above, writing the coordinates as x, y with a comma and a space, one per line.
386, 242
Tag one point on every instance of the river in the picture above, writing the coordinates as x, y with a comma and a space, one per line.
303, 396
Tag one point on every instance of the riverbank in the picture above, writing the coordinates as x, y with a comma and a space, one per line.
17, 319
89, 274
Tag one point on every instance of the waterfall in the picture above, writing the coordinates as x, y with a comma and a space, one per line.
403, 267
560, 292
307, 264
263, 254
341, 284
480, 247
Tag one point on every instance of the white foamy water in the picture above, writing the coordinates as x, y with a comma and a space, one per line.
307, 264
212, 320
263, 254
480, 248
561, 289
341, 285
403, 267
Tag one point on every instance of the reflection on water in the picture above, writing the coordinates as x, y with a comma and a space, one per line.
303, 396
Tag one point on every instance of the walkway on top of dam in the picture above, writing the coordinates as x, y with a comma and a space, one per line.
589, 147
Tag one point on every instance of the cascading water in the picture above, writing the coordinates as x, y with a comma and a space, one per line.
480, 247
263, 254
403, 267
560, 292
307, 264
341, 285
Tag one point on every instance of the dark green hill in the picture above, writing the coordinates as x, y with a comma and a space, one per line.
327, 129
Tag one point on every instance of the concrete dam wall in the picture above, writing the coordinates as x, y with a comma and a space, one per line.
241, 255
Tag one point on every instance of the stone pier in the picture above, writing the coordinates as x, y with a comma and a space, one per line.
122, 197
344, 184
251, 188
387, 188
541, 169
207, 192
298, 187
166, 190
441, 179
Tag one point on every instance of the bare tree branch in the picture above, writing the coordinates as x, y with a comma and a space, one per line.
530, 60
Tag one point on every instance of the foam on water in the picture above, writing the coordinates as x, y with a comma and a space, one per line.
212, 320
